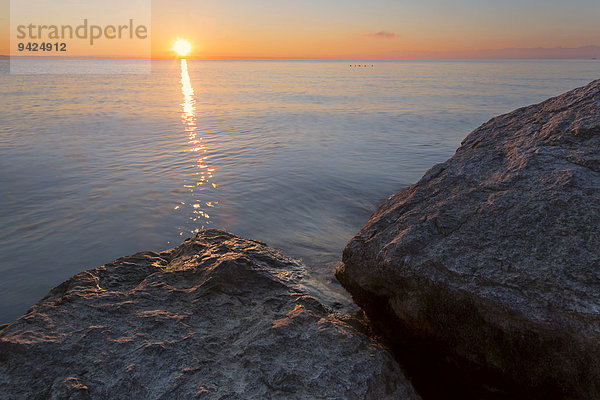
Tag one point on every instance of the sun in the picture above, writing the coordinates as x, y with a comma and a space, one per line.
182, 47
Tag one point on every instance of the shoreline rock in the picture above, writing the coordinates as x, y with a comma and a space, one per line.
490, 264
217, 317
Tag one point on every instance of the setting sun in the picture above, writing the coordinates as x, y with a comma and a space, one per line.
182, 47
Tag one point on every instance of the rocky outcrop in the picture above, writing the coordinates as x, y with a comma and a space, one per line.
490, 264
216, 317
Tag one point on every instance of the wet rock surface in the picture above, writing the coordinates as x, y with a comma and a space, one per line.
218, 317
488, 268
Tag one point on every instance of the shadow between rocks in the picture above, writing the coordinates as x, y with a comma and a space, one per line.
433, 369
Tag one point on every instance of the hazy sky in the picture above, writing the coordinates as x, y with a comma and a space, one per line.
363, 29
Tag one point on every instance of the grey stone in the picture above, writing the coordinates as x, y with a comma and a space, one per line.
493, 257
218, 317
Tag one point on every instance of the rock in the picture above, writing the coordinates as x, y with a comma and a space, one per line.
490, 264
217, 317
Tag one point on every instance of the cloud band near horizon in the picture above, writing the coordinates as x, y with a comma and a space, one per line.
382, 35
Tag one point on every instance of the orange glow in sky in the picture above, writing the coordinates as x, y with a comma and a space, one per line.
358, 29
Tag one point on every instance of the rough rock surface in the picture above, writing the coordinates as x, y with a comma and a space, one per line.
491, 262
216, 317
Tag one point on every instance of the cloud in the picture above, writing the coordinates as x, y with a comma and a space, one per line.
382, 35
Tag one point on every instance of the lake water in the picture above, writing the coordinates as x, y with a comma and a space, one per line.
294, 153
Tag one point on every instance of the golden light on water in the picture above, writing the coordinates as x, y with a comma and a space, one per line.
188, 104
182, 47
204, 173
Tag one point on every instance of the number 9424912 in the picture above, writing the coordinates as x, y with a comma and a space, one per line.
42, 46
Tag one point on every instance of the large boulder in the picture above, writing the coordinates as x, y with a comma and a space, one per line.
489, 266
217, 317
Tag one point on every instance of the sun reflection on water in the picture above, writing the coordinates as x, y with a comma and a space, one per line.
204, 173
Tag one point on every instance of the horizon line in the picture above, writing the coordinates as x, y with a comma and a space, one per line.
518, 53
3, 56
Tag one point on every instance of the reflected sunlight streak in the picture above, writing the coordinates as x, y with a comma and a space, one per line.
204, 173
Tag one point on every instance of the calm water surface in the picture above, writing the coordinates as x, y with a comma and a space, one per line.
294, 153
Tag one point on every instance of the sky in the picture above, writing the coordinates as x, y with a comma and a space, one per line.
363, 29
